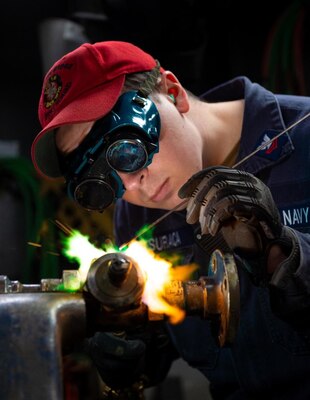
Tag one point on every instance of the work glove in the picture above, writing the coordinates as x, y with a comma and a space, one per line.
119, 361
129, 362
241, 207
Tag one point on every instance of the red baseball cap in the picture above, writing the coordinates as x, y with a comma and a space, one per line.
82, 86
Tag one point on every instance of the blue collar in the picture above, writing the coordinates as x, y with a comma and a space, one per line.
262, 120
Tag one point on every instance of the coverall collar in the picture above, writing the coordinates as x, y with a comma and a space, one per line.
262, 106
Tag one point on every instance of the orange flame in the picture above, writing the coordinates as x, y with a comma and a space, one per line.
158, 271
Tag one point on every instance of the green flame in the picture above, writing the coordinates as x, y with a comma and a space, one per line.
78, 248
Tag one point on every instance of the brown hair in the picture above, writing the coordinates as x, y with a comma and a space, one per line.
145, 82
137, 80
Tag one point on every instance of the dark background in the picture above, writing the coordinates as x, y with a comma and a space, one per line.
204, 43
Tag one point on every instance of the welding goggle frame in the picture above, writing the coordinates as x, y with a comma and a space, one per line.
125, 140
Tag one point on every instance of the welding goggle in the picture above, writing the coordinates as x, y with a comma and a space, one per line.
125, 140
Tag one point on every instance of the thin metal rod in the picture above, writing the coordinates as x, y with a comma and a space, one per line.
148, 227
263, 145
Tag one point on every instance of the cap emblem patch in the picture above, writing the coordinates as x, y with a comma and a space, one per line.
52, 90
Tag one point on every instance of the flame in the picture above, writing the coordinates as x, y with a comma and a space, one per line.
158, 271
78, 247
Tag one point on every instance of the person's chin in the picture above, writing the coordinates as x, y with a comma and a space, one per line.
169, 203
161, 194
164, 198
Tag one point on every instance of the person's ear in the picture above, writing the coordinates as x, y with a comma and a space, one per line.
173, 88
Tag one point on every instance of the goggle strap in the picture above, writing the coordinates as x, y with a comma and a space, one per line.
150, 82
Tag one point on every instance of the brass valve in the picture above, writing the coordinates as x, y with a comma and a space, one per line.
117, 282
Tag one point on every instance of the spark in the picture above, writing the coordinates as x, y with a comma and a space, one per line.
159, 272
53, 253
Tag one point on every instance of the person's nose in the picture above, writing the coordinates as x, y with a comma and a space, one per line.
134, 180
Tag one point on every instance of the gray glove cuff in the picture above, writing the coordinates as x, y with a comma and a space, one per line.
284, 273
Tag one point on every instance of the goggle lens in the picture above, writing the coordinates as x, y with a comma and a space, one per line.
127, 155
94, 194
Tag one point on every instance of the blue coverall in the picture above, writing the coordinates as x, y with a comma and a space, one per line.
269, 358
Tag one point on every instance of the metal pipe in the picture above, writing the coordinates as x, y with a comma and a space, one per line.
34, 329
214, 297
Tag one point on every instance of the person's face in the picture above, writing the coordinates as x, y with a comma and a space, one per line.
179, 157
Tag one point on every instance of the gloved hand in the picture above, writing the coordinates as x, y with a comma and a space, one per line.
119, 361
241, 206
